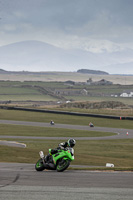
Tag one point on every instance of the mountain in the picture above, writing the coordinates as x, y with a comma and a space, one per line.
31, 55
40, 56
3, 71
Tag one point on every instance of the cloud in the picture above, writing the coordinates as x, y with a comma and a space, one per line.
93, 25
9, 28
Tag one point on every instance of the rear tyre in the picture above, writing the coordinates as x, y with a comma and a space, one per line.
62, 165
39, 166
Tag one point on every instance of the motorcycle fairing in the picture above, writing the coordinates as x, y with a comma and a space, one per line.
62, 154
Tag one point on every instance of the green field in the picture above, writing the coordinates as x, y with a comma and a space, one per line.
26, 98
38, 94
55, 91
87, 152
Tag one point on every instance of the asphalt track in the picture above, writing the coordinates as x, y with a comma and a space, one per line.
21, 182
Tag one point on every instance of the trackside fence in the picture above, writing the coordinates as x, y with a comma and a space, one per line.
67, 113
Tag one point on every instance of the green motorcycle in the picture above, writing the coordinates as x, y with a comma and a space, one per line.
59, 161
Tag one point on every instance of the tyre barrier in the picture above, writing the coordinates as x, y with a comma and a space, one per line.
67, 113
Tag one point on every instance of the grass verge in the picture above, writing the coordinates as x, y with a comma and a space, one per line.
17, 130
63, 119
101, 169
91, 153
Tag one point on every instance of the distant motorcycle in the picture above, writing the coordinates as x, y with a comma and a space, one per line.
52, 122
59, 161
91, 125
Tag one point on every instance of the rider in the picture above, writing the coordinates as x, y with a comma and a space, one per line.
52, 122
70, 143
91, 124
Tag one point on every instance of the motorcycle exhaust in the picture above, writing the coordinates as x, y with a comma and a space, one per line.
46, 165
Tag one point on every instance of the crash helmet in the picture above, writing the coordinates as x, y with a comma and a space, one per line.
71, 142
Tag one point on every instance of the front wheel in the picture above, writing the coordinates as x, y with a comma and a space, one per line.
39, 166
62, 165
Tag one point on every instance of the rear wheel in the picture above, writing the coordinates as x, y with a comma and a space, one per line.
62, 165
39, 166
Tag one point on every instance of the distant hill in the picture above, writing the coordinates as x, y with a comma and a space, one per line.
3, 71
88, 71
39, 56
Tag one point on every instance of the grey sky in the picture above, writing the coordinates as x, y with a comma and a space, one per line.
94, 25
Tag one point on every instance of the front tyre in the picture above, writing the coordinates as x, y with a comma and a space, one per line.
62, 165
39, 166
